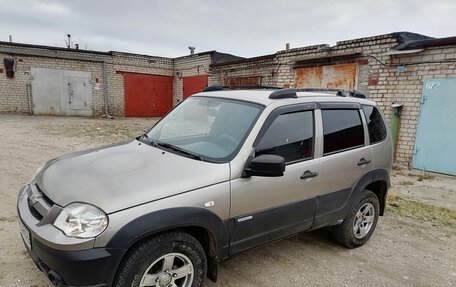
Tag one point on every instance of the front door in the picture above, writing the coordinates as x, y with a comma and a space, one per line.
268, 208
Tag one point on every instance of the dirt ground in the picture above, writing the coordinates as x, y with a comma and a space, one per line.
402, 252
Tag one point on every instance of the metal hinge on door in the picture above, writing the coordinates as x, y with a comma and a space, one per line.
69, 93
423, 99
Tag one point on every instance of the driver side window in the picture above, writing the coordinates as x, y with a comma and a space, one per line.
290, 136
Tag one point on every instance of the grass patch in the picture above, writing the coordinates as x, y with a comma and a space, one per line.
422, 211
425, 177
396, 168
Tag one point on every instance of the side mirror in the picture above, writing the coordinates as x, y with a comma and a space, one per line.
266, 165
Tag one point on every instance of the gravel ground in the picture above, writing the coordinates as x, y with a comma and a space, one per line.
402, 252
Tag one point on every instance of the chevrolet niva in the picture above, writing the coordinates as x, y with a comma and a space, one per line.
223, 172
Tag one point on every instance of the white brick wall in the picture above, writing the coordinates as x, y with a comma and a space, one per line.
192, 65
392, 87
274, 70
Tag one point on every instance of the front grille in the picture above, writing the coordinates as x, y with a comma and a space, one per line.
34, 212
44, 196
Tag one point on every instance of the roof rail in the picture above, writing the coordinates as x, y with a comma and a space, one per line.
283, 94
339, 92
357, 94
221, 88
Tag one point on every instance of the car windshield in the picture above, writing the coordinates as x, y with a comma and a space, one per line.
205, 128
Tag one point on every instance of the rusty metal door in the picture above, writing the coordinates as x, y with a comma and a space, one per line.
342, 76
147, 95
243, 81
193, 84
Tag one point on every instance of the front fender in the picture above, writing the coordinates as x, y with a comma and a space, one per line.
169, 219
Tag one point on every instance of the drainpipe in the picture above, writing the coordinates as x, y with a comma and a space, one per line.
105, 90
28, 88
395, 120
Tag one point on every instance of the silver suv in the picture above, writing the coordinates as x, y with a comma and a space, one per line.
224, 171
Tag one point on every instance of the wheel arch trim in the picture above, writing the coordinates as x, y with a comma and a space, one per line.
171, 219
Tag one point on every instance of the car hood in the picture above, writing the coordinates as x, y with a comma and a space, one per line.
123, 175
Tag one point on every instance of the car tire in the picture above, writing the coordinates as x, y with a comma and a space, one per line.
360, 223
169, 259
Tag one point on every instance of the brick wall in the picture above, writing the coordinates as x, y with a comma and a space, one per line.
377, 76
263, 67
406, 89
192, 65
125, 62
13, 91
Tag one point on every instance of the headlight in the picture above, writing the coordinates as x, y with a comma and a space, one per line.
81, 220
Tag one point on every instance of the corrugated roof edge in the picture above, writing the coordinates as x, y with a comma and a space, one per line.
244, 60
410, 41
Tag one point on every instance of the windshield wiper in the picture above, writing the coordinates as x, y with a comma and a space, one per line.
145, 138
179, 150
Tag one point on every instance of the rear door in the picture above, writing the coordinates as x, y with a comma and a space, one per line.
346, 157
268, 208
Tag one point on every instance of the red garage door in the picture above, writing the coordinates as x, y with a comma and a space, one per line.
147, 95
193, 85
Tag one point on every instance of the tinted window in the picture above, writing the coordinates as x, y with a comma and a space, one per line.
375, 124
343, 129
289, 136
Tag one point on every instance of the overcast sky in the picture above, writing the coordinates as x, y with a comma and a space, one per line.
241, 27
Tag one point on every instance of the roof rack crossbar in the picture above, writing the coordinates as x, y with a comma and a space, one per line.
254, 87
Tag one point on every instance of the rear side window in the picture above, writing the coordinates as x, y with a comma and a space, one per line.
342, 129
290, 136
375, 124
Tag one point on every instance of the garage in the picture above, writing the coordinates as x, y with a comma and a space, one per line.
193, 84
147, 95
61, 92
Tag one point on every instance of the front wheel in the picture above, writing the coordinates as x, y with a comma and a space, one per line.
172, 259
360, 223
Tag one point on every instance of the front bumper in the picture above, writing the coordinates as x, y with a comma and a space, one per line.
66, 261
92, 267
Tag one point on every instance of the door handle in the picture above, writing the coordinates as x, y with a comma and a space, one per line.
309, 174
363, 161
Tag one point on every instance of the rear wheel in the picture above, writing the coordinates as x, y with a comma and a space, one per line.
172, 259
360, 223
